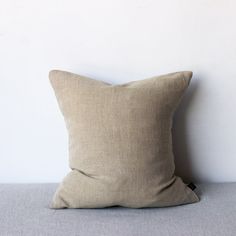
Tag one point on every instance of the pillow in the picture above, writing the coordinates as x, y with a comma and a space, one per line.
120, 143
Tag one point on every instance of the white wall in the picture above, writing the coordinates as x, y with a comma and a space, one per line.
116, 41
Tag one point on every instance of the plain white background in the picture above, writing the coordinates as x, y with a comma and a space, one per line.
116, 41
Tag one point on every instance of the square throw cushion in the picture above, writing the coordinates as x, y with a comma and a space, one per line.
120, 142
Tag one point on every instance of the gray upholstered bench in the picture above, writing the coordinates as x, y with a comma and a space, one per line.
24, 210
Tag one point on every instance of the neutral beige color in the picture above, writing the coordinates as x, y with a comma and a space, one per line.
120, 143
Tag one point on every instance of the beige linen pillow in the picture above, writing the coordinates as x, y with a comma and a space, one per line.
120, 143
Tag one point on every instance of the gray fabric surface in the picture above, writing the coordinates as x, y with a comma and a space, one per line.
24, 210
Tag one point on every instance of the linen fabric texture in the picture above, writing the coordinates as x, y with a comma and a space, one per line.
120, 142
